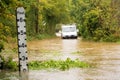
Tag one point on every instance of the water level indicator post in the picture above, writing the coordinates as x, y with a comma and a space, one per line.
22, 43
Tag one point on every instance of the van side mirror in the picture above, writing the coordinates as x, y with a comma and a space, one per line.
60, 31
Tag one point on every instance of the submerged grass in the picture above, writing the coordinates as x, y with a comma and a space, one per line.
77, 52
58, 64
50, 64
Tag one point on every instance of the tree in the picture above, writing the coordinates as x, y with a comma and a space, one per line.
6, 15
94, 19
54, 12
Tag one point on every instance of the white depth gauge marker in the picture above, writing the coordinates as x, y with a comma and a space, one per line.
22, 46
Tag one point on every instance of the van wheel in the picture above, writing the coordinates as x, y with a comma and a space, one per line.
75, 37
62, 37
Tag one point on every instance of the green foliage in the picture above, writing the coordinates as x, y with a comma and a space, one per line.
1, 46
91, 22
9, 64
94, 19
31, 21
59, 64
97, 20
7, 18
54, 12
44, 36
77, 52
40, 37
4, 31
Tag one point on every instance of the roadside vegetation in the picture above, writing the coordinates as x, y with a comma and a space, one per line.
58, 64
97, 20
8, 64
63, 65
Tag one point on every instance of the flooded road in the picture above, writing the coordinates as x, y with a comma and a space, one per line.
105, 56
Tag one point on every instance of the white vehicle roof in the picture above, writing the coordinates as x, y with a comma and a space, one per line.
68, 26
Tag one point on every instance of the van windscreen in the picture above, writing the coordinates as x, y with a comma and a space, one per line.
69, 29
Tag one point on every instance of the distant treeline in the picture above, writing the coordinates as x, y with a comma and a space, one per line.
97, 20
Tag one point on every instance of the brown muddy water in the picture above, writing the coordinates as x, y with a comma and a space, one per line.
106, 57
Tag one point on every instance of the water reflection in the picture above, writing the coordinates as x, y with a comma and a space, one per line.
68, 47
24, 75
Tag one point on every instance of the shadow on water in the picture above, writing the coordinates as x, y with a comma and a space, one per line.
106, 56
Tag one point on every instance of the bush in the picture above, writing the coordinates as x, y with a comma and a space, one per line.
1, 46
9, 64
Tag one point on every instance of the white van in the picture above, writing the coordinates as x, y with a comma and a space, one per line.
69, 31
